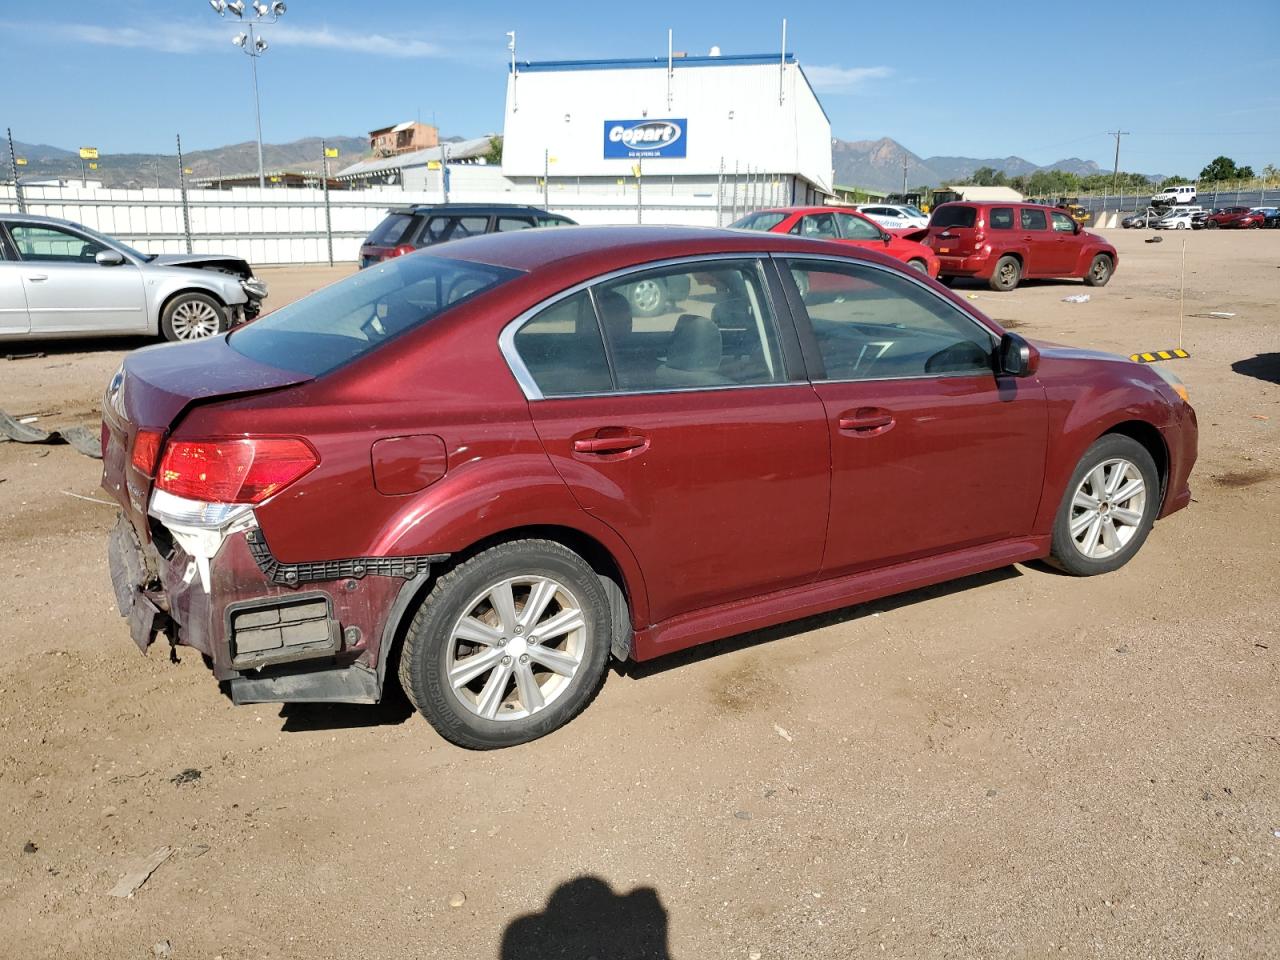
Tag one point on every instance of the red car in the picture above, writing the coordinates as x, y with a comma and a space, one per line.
1006, 243
843, 226
475, 472
1239, 218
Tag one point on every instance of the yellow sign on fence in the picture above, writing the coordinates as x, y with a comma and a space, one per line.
93, 166
331, 152
21, 161
88, 153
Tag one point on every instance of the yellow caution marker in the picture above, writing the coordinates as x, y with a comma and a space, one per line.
1155, 356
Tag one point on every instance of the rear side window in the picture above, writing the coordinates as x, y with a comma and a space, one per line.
440, 229
562, 350
1034, 219
346, 320
819, 226
392, 230
954, 216
1002, 218
554, 221
505, 224
759, 221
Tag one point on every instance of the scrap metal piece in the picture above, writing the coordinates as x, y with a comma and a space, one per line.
136, 877
82, 438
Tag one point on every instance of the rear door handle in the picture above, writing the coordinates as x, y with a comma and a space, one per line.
37, 277
606, 445
866, 421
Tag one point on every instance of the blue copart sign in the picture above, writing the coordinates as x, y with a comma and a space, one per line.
645, 138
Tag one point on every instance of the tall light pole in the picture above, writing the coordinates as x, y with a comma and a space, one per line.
1115, 172
254, 46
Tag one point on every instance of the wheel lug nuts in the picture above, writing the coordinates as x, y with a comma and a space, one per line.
502, 641
519, 629
505, 661
524, 658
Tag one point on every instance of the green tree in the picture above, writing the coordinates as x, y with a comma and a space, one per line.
1222, 168
988, 177
494, 154
1245, 173
1271, 173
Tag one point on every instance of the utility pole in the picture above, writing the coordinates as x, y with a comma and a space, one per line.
13, 165
904, 178
254, 46
1115, 172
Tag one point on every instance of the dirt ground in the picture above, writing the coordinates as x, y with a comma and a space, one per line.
1019, 764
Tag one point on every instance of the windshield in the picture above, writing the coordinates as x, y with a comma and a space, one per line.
759, 221
957, 215
113, 242
343, 321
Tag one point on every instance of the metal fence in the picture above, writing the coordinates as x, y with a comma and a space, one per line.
1250, 193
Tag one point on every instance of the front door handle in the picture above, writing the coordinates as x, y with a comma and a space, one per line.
602, 446
866, 421
37, 277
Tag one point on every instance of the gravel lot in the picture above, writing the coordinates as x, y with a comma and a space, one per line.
1019, 764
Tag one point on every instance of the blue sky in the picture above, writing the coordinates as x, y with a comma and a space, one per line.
1043, 80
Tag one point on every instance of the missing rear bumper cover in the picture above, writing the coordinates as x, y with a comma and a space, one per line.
281, 629
293, 574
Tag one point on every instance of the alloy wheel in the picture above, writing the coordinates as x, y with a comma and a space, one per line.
194, 320
648, 296
1107, 509
517, 648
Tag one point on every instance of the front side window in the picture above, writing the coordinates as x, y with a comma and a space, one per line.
1034, 219
347, 319
1063, 223
693, 325
873, 324
858, 228
45, 244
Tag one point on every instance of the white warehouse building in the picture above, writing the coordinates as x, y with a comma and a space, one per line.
746, 129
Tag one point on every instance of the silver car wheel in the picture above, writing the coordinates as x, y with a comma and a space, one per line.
517, 648
194, 320
648, 296
1107, 509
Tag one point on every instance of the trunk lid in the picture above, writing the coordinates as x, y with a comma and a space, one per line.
151, 391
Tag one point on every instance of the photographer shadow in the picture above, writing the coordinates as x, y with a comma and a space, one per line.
585, 919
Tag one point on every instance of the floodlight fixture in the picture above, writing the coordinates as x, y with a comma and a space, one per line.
219, 6
278, 8
239, 39
261, 45
236, 7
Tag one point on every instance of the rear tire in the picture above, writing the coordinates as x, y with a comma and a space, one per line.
920, 265
1115, 485
453, 668
1211, 224
193, 316
1099, 271
1007, 274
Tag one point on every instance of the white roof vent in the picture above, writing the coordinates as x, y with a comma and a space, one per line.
715, 52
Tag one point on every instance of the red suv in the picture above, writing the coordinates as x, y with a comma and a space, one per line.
1005, 243
1239, 218
474, 469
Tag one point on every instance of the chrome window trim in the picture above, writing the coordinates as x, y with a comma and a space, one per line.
507, 338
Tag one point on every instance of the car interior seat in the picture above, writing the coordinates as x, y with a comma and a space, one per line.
693, 355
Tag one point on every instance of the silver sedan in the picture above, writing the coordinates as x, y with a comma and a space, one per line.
61, 279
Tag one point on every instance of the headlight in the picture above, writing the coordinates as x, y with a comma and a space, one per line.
1173, 380
255, 288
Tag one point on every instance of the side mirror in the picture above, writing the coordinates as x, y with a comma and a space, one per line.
1078, 228
886, 237
1015, 357
109, 258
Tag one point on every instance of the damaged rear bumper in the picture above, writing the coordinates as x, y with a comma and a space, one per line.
271, 632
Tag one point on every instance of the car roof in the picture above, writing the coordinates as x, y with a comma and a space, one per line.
614, 248
11, 215
463, 207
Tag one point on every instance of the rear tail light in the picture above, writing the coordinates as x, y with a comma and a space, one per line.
146, 450
234, 471
401, 250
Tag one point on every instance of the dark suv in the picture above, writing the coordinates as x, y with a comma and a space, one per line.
406, 229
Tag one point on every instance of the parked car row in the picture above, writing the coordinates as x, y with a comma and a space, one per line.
1197, 218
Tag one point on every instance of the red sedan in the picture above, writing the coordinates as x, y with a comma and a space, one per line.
842, 226
1238, 218
475, 472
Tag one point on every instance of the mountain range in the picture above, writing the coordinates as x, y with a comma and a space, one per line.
157, 169
865, 163
878, 164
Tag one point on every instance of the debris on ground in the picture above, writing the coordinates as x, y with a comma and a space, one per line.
743, 815
136, 877
189, 775
1154, 240
457, 899
23, 356
163, 949
82, 438
782, 733
1076, 298
29, 847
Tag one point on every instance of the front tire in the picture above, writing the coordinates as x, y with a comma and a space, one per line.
193, 316
1099, 271
1108, 508
509, 645
918, 264
1007, 274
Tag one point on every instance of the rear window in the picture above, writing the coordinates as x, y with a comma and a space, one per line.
759, 221
341, 322
392, 230
954, 216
